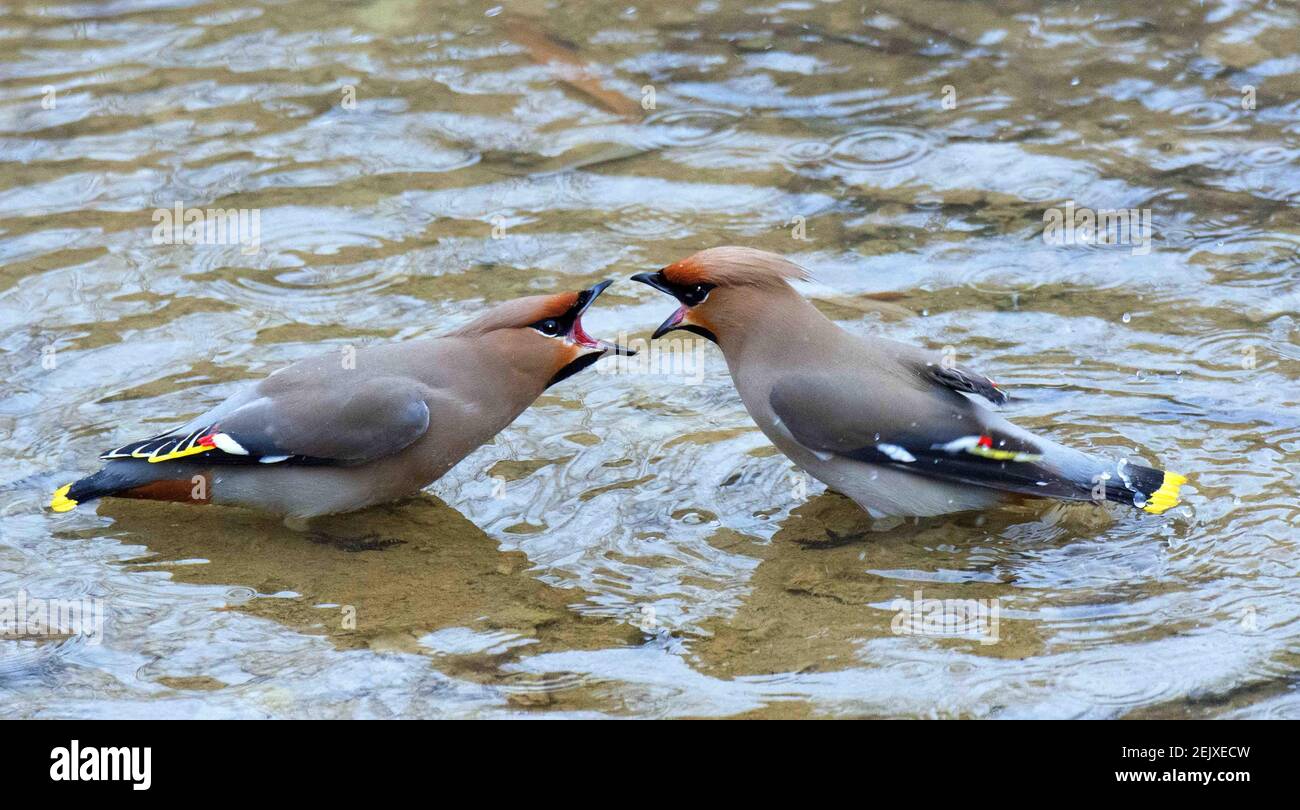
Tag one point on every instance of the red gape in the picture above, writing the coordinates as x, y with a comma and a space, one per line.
581, 336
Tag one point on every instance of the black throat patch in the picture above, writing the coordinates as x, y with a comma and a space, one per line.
574, 367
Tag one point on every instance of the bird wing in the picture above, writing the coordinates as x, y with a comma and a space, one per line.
960, 378
932, 434
307, 422
932, 368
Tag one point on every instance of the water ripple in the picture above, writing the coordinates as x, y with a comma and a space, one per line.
881, 148
694, 127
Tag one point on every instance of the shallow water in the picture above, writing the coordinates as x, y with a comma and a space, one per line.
632, 546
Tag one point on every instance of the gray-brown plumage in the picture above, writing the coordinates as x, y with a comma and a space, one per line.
889, 425
343, 431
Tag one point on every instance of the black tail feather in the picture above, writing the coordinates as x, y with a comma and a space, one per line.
1146, 488
115, 477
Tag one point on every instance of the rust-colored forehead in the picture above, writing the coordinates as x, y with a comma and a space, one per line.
520, 312
734, 266
686, 271
537, 307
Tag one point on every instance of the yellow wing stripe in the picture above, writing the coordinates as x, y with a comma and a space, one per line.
1003, 455
61, 502
175, 454
156, 448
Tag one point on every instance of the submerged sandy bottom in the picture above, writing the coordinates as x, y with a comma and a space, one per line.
632, 546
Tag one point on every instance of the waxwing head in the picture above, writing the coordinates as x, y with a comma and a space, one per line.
718, 288
544, 332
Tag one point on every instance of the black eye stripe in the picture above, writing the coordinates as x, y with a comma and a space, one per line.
551, 327
693, 294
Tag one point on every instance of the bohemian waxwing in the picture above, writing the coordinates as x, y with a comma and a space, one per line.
887, 424
337, 433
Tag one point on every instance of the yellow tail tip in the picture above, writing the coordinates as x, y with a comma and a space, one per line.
1167, 496
61, 502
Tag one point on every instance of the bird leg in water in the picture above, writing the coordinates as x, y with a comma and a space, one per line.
365, 542
368, 542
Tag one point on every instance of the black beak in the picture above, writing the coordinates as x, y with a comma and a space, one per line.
656, 280
673, 321
585, 299
588, 297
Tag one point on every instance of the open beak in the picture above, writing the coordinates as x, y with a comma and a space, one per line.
656, 280
578, 336
673, 321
